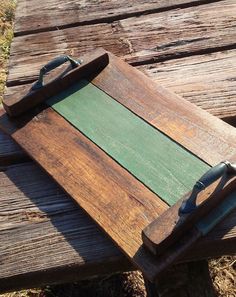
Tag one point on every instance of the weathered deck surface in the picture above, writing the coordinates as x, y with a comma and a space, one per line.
186, 45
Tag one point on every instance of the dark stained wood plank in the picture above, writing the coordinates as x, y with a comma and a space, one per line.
55, 241
209, 81
37, 16
138, 39
119, 204
77, 271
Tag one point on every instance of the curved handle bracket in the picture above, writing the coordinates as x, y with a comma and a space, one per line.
52, 65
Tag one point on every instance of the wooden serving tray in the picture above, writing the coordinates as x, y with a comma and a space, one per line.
120, 145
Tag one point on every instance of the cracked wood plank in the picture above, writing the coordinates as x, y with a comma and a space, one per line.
137, 39
54, 241
209, 81
56, 14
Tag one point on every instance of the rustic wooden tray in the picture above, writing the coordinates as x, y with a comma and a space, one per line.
120, 145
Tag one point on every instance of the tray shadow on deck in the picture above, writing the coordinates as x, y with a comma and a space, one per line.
64, 214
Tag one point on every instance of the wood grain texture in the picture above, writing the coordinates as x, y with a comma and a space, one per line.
56, 14
221, 240
188, 125
138, 39
152, 157
157, 106
205, 80
55, 241
45, 237
118, 203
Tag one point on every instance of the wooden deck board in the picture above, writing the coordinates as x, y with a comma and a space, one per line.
10, 152
205, 80
208, 80
54, 14
137, 39
43, 230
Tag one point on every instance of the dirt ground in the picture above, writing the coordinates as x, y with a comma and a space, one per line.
223, 270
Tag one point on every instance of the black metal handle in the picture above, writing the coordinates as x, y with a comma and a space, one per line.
207, 179
52, 65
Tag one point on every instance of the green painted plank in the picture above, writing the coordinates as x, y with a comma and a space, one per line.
153, 158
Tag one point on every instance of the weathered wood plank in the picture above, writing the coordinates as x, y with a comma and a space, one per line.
209, 81
44, 236
172, 234
73, 273
54, 241
10, 152
56, 14
137, 39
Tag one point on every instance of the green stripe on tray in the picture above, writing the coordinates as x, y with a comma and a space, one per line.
152, 157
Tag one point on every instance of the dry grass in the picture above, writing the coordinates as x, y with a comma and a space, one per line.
25, 293
7, 8
223, 270
223, 273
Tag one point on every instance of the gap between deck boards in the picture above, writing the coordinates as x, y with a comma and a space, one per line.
170, 35
110, 19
